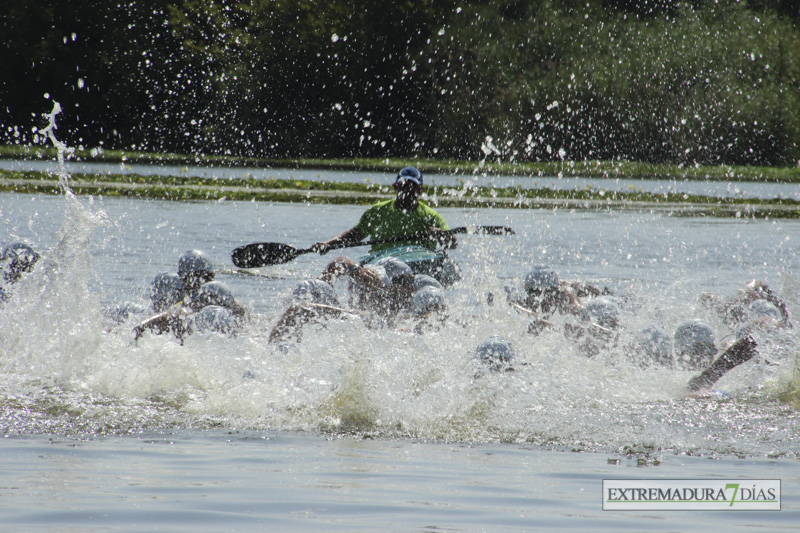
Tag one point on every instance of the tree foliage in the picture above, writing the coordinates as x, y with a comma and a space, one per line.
700, 81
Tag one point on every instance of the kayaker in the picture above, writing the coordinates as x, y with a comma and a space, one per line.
404, 216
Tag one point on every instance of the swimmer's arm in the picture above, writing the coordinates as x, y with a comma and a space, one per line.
345, 266
163, 322
739, 352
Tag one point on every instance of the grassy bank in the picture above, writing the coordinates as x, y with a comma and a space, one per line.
585, 169
306, 191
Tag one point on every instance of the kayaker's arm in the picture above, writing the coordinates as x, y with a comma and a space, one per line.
352, 235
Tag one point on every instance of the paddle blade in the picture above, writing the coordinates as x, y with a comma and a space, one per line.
496, 230
485, 230
263, 254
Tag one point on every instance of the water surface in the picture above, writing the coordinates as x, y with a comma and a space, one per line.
356, 428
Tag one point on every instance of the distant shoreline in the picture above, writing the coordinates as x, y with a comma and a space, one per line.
584, 169
320, 192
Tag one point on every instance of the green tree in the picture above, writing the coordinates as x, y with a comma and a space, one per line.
302, 78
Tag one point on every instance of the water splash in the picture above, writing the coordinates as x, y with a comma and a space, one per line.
62, 149
70, 371
52, 316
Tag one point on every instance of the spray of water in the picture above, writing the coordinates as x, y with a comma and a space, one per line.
49, 132
65, 368
51, 315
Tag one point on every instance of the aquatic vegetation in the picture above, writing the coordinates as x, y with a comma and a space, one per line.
306, 191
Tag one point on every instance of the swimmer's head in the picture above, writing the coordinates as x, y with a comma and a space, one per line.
602, 311
124, 312
541, 279
19, 258
194, 269
496, 353
397, 275
428, 300
655, 345
762, 309
694, 345
213, 318
315, 291
214, 293
394, 267
165, 291
424, 280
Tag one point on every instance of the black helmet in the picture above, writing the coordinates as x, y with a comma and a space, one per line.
541, 279
409, 174
655, 344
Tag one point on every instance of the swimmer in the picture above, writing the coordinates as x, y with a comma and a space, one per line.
17, 259
652, 346
428, 309
733, 310
693, 346
597, 327
546, 295
380, 294
762, 314
739, 352
166, 291
194, 269
312, 300
496, 353
213, 308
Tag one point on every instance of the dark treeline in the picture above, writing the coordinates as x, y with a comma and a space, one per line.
700, 81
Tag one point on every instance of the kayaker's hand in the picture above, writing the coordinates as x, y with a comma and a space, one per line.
445, 238
321, 248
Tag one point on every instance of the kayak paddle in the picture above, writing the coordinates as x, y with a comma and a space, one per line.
274, 253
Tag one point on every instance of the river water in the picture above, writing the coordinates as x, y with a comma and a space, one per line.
377, 429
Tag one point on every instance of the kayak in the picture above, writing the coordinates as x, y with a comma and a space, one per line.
421, 260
